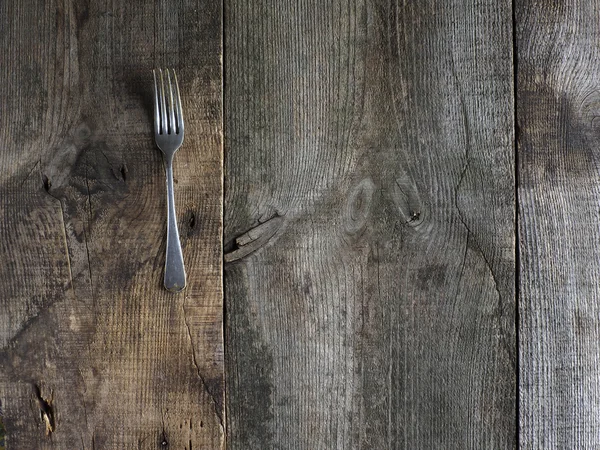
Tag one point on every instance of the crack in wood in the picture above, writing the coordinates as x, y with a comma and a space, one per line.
64, 229
498, 315
24, 327
89, 195
199, 372
29, 173
85, 235
47, 184
468, 147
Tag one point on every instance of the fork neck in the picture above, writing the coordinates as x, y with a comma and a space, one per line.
168, 160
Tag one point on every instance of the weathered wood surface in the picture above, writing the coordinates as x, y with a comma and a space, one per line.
369, 225
94, 353
559, 197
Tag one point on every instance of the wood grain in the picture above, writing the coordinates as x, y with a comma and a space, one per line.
94, 353
558, 104
369, 225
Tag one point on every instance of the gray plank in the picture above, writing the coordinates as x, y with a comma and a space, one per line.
369, 225
558, 103
94, 353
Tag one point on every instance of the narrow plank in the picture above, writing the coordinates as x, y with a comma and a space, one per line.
94, 353
369, 225
558, 101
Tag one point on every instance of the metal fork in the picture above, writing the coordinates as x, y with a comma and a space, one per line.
168, 133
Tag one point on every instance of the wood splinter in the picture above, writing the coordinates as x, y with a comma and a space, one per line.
46, 412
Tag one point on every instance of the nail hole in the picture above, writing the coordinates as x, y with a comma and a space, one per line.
46, 182
123, 171
164, 443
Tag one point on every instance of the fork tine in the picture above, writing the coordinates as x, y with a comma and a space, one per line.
156, 106
163, 107
178, 110
171, 109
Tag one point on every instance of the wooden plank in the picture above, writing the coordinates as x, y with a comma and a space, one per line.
94, 353
369, 225
558, 101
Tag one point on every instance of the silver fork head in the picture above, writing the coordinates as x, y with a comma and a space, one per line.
168, 116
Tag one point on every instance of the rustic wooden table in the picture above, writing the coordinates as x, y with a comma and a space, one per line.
95, 353
355, 283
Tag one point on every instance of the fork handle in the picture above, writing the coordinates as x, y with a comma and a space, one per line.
174, 268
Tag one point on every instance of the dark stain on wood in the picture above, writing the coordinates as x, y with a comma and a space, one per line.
558, 109
577, 159
434, 274
250, 415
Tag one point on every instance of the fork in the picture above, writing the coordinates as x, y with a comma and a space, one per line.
168, 134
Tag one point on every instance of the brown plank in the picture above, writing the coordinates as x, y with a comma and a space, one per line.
94, 353
558, 102
369, 225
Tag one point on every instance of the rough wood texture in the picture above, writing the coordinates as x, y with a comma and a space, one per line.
369, 225
94, 353
559, 197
